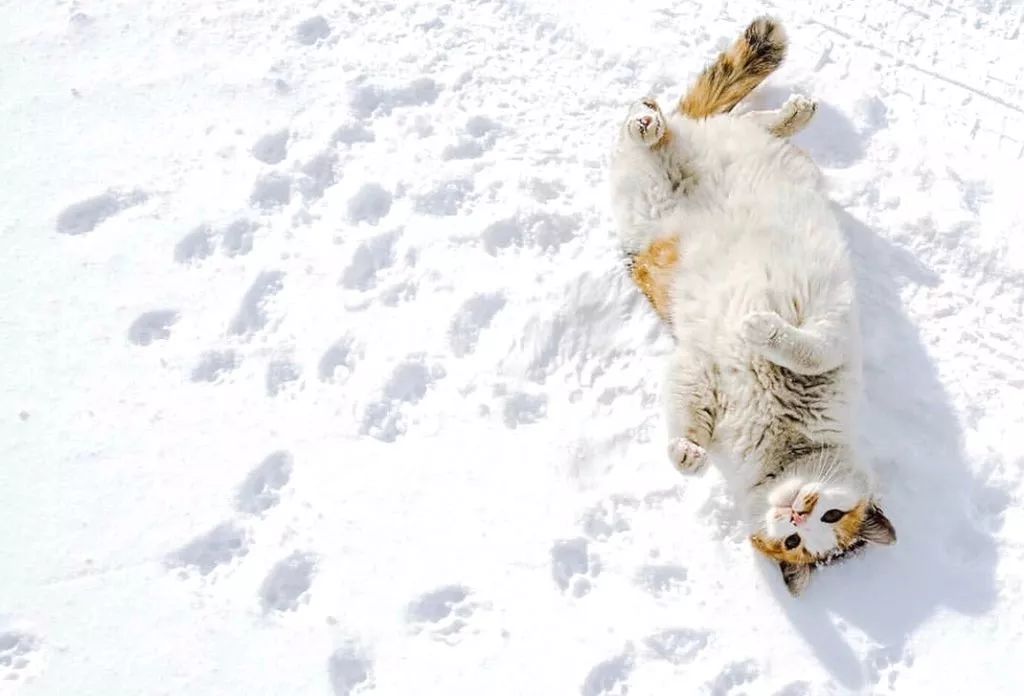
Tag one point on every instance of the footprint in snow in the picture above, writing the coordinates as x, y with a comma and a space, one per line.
409, 383
272, 147
261, 489
311, 30
471, 319
676, 645
349, 670
443, 612
194, 246
288, 582
19, 652
610, 677
152, 326
732, 676
208, 552
338, 360
573, 567
252, 313
85, 216
214, 364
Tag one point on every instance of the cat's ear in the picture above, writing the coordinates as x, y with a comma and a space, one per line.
876, 527
796, 575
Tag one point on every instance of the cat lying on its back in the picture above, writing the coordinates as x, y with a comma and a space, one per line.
734, 242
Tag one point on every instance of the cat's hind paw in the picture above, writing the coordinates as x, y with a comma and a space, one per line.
686, 456
796, 113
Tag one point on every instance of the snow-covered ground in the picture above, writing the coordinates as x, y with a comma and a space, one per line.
321, 374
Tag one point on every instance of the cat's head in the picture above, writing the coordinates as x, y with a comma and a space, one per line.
645, 124
807, 520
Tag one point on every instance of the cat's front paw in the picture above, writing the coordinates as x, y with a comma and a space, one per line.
646, 125
686, 456
761, 328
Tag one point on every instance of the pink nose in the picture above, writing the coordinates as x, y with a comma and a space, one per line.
797, 518
645, 121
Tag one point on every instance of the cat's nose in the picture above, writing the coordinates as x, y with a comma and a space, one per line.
797, 518
646, 121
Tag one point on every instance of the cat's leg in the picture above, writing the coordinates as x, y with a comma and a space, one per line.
812, 349
794, 115
691, 410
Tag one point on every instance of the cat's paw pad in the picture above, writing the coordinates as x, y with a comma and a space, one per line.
686, 456
761, 328
646, 125
798, 111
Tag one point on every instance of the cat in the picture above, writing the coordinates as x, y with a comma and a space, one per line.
752, 273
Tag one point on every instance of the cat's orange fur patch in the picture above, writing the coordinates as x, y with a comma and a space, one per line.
737, 70
653, 271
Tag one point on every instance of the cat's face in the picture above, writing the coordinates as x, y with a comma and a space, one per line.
807, 522
645, 124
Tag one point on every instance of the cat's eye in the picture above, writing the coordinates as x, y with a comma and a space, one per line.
649, 103
832, 516
792, 541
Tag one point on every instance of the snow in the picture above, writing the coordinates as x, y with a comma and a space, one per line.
323, 376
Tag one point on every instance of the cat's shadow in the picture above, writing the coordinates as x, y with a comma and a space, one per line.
944, 515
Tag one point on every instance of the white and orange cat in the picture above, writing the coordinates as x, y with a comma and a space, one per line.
733, 240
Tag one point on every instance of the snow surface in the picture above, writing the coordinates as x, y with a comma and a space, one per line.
322, 375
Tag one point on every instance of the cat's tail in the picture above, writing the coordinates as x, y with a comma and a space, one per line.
737, 70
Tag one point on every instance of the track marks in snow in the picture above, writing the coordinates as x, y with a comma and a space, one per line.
261, 489
369, 204
252, 313
349, 670
443, 612
409, 383
660, 580
152, 326
271, 191
608, 678
236, 239
85, 216
542, 231
280, 374
19, 655
194, 246
318, 174
213, 549
473, 316
445, 198
733, 676
370, 258
338, 361
287, 582
479, 135
311, 30
370, 99
272, 147
573, 567
230, 540
677, 645
214, 364
521, 408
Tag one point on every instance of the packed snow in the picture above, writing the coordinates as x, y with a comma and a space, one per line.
323, 376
